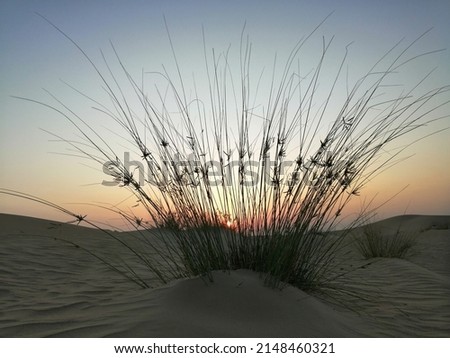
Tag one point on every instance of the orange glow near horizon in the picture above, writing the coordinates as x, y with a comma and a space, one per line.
406, 188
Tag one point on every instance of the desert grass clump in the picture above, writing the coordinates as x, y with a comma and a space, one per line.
373, 243
243, 180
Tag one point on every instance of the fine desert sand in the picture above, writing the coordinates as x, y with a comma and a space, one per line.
52, 289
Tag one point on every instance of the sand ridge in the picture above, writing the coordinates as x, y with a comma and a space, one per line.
51, 289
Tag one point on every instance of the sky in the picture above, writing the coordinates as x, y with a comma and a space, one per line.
36, 58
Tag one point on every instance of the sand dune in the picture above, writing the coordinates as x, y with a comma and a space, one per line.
51, 289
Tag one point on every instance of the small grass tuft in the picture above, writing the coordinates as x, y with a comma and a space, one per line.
374, 244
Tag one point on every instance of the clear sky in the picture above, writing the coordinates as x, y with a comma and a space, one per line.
34, 56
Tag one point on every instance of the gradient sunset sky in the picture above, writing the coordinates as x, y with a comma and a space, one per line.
34, 56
